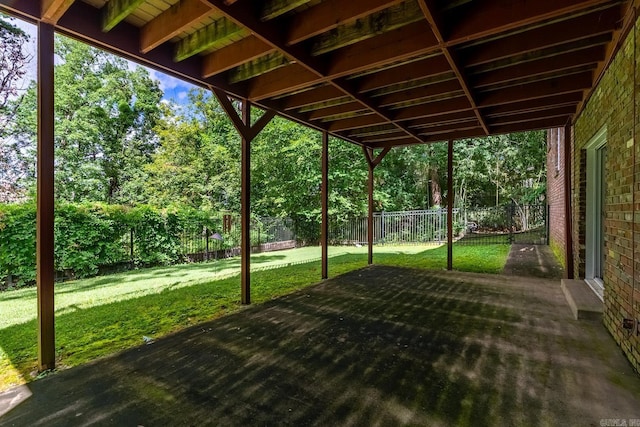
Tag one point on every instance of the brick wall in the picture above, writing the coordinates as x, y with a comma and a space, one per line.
555, 191
614, 103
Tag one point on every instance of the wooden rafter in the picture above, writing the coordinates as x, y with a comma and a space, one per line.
367, 27
311, 97
433, 109
535, 90
234, 55
336, 110
428, 8
546, 113
274, 8
117, 10
172, 22
315, 71
447, 87
212, 36
414, 70
52, 10
538, 38
258, 67
329, 14
492, 17
541, 66
571, 98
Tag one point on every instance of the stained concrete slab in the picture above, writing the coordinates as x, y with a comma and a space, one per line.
378, 346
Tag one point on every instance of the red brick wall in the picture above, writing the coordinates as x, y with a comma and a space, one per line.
615, 104
555, 191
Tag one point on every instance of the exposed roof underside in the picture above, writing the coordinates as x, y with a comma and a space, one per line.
375, 72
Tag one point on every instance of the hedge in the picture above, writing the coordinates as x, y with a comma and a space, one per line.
88, 236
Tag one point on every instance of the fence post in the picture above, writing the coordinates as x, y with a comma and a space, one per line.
206, 239
512, 212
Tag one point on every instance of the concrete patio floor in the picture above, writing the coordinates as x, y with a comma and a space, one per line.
378, 346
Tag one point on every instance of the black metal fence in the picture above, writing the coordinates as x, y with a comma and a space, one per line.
510, 223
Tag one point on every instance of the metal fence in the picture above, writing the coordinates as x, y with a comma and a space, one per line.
420, 226
506, 224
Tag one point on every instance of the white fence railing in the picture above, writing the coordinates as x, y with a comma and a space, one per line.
421, 226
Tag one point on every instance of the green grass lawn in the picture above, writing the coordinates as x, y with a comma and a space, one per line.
99, 316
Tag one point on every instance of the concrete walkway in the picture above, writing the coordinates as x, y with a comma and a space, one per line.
532, 261
379, 346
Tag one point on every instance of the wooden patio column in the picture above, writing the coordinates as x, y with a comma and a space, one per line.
450, 206
248, 133
372, 163
324, 228
568, 223
45, 200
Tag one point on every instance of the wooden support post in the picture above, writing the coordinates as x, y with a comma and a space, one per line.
372, 163
248, 133
45, 200
450, 200
568, 250
245, 210
324, 230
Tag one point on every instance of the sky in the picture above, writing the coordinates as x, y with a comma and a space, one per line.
175, 90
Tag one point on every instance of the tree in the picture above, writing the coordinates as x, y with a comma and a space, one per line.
13, 61
105, 115
198, 161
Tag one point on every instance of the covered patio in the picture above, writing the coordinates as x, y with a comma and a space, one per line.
381, 345
377, 346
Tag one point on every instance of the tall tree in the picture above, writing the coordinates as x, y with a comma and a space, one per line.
13, 62
198, 162
105, 115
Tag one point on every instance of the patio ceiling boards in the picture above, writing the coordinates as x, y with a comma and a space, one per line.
378, 73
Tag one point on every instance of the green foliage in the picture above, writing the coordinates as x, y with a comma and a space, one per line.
86, 237
91, 235
17, 243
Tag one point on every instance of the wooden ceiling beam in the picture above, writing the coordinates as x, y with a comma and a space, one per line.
541, 66
172, 22
355, 123
117, 10
433, 109
310, 97
280, 81
330, 14
234, 55
384, 137
257, 67
531, 105
374, 130
451, 118
456, 135
411, 71
437, 130
314, 69
52, 10
430, 12
546, 113
555, 34
397, 141
212, 36
492, 17
531, 125
469, 123
274, 8
394, 17
535, 90
424, 92
410, 41
331, 111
